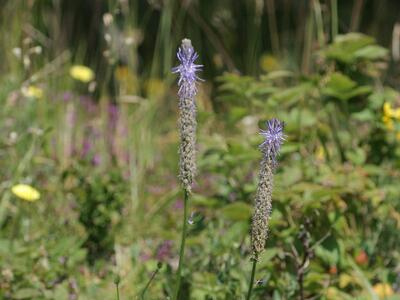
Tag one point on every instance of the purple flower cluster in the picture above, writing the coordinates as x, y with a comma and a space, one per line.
187, 70
273, 139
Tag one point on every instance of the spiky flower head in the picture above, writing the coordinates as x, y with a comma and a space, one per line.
273, 139
187, 70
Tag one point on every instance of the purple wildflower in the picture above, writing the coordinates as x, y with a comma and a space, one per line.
164, 251
274, 138
113, 112
187, 70
178, 205
67, 96
86, 147
187, 112
271, 146
96, 160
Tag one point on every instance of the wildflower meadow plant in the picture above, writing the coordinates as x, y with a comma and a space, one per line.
187, 83
273, 139
26, 192
81, 73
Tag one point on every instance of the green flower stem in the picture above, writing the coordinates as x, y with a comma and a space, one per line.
182, 250
159, 265
253, 273
117, 288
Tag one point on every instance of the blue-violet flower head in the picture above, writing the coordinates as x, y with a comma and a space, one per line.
273, 139
187, 70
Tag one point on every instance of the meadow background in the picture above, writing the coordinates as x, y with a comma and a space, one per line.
89, 197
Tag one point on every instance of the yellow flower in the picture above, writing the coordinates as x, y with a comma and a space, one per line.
388, 123
320, 153
383, 290
396, 114
32, 92
269, 63
81, 73
25, 192
387, 109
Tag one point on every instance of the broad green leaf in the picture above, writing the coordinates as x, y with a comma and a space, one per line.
238, 211
371, 52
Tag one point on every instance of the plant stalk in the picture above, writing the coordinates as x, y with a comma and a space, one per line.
182, 250
253, 273
150, 281
117, 288
334, 19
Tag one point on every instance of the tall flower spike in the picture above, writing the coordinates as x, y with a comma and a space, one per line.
187, 111
274, 138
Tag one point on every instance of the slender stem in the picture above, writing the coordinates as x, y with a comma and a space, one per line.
334, 17
150, 281
16, 228
273, 28
308, 41
117, 287
356, 14
319, 23
301, 292
253, 273
182, 250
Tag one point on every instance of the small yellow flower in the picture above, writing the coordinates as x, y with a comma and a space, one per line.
25, 192
396, 114
388, 123
387, 109
383, 290
81, 73
320, 153
269, 63
32, 92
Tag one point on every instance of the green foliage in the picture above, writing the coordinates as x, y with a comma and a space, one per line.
333, 177
100, 199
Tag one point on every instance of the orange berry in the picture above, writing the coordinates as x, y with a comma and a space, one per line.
333, 270
362, 258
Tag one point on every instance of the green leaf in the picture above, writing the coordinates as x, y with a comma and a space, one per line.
372, 52
357, 156
328, 251
200, 200
345, 47
266, 257
339, 82
293, 94
365, 115
26, 293
238, 211
342, 87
